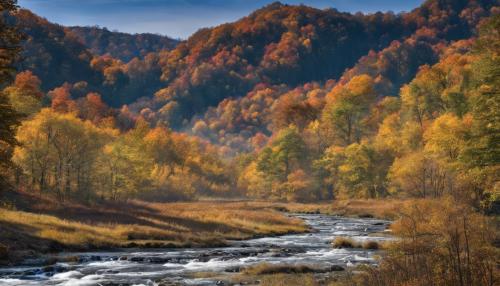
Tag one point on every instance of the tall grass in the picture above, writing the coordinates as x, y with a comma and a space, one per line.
138, 224
347, 242
386, 208
289, 280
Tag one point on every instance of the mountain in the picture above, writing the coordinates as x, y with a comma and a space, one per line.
425, 33
52, 54
94, 58
292, 45
278, 45
122, 46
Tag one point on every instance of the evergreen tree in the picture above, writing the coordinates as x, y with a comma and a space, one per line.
483, 148
9, 50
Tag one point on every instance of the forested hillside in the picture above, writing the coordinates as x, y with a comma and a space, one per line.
293, 45
290, 102
435, 139
237, 123
122, 46
119, 66
276, 45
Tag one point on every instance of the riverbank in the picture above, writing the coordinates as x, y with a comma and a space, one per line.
372, 208
246, 261
32, 225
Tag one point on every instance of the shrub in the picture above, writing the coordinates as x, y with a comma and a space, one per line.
345, 242
440, 243
371, 245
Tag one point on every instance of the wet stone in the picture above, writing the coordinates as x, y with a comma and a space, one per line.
137, 259
157, 260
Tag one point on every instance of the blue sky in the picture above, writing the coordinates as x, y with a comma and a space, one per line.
180, 18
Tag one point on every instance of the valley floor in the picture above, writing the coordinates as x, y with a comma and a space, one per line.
31, 225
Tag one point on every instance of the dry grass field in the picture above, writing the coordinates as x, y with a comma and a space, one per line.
383, 208
40, 225
31, 225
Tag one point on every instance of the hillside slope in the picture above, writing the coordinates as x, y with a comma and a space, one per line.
292, 45
122, 46
278, 45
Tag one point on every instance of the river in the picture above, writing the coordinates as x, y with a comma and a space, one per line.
206, 266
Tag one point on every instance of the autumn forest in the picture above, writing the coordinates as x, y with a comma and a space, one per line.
291, 108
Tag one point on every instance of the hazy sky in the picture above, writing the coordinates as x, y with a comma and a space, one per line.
180, 18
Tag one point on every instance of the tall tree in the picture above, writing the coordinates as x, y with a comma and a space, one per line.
483, 148
25, 95
345, 114
59, 152
9, 50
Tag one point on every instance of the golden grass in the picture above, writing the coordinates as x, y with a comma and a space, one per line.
245, 217
139, 224
42, 225
70, 233
377, 208
380, 208
346, 242
289, 280
371, 245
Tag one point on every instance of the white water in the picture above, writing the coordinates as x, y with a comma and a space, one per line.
133, 267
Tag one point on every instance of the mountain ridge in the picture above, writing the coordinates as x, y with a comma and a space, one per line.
274, 45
